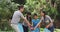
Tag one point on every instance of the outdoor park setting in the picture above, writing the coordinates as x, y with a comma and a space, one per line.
8, 7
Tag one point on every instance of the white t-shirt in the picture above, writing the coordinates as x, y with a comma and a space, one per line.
47, 20
16, 17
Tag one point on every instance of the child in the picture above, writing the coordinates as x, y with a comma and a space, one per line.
28, 16
35, 21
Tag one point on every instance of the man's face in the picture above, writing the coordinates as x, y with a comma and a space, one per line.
35, 17
22, 9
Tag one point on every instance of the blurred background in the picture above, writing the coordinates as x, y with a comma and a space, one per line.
7, 8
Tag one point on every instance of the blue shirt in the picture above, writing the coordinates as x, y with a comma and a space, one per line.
35, 22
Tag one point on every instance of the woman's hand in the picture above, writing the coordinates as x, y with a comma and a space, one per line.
47, 26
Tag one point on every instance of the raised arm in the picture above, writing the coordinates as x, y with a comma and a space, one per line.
38, 23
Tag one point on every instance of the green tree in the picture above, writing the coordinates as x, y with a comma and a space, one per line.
58, 9
7, 7
20, 1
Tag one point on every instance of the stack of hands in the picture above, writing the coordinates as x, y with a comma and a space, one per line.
31, 27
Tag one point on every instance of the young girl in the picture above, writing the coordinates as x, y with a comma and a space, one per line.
35, 21
47, 21
28, 17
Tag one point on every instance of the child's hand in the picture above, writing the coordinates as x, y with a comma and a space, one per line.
31, 27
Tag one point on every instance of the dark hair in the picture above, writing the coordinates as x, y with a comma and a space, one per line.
44, 14
21, 6
35, 14
10, 17
29, 18
28, 13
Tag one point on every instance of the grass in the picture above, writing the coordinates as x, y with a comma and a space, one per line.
41, 30
55, 30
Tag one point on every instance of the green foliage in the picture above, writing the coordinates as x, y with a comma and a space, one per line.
58, 9
20, 1
7, 8
35, 5
32, 6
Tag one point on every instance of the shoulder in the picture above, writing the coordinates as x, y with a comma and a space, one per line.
38, 19
32, 19
16, 12
47, 16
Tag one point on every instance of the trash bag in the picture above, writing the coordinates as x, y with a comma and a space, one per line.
36, 30
20, 27
46, 30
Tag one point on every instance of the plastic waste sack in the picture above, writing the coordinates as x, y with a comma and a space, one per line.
36, 30
20, 27
46, 30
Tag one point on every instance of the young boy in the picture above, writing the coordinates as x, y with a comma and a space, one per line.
35, 21
16, 18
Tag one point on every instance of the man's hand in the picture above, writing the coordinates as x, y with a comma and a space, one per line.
29, 25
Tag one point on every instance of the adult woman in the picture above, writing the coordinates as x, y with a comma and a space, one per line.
47, 21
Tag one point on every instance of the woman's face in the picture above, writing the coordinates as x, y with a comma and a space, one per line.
42, 14
29, 15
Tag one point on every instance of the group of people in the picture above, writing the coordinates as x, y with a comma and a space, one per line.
30, 22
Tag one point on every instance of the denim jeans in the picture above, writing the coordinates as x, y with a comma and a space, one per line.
51, 29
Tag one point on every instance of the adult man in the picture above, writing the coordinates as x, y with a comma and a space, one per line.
16, 18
